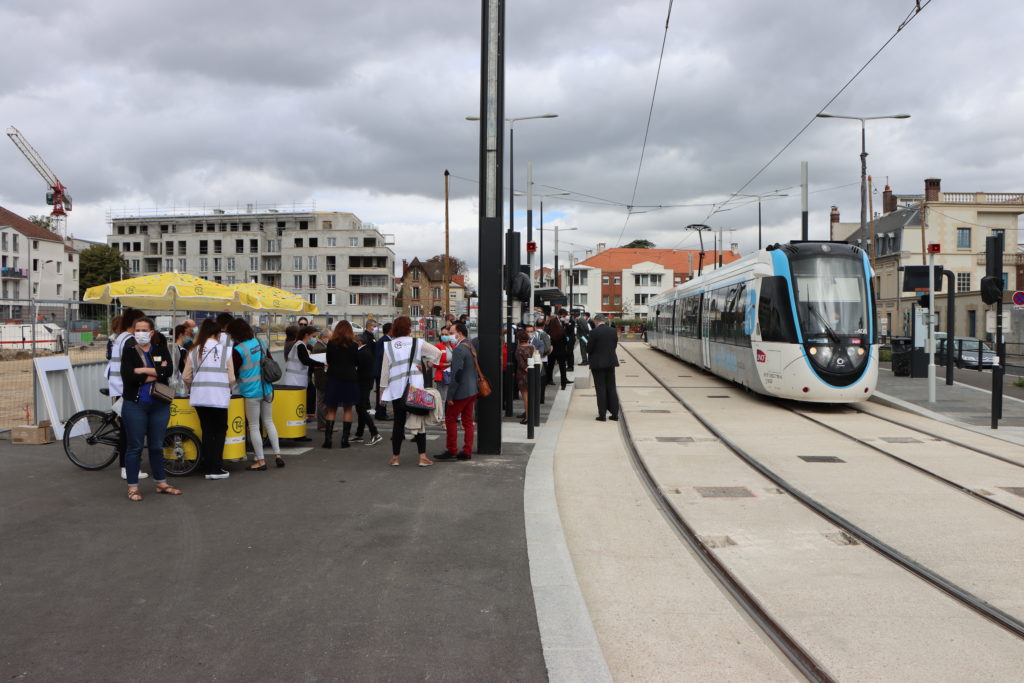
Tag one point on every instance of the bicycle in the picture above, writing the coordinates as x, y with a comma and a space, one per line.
91, 439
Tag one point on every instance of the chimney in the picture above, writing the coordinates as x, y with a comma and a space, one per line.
734, 247
834, 216
888, 201
601, 246
405, 266
932, 187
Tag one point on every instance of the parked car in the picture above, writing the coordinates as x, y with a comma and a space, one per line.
965, 352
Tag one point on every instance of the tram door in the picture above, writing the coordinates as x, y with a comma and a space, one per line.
705, 329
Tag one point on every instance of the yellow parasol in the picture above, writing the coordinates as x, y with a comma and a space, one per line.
256, 297
166, 292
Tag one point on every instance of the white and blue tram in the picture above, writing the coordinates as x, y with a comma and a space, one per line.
795, 321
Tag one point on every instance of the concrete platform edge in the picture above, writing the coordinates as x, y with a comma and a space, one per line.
572, 651
900, 404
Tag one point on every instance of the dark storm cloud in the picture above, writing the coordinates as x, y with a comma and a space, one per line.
365, 104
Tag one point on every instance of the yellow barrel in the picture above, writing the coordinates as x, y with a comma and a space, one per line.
290, 411
234, 441
184, 415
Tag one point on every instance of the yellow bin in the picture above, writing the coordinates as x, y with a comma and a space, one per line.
184, 415
290, 411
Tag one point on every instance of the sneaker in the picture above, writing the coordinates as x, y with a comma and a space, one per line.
223, 474
358, 438
124, 474
375, 439
463, 456
445, 456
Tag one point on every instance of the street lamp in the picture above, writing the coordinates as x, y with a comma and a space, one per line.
557, 278
766, 195
32, 298
701, 229
864, 170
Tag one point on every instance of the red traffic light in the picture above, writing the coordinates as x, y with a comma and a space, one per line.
531, 247
935, 248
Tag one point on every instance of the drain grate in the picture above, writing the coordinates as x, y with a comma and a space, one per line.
900, 439
1015, 490
820, 458
674, 439
719, 396
724, 491
651, 410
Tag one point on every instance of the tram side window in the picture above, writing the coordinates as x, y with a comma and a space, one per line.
692, 317
680, 313
774, 312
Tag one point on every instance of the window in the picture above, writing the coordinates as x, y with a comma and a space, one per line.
217, 264
416, 275
353, 241
963, 281
579, 277
137, 246
312, 262
604, 300
640, 299
231, 264
254, 263
120, 230
579, 300
331, 281
415, 292
304, 225
415, 311
131, 229
298, 242
332, 263
59, 288
239, 246
273, 246
204, 247
327, 225
353, 299
4, 244
204, 265
330, 298
135, 266
436, 293
59, 265
604, 281
1006, 281
618, 300
168, 265
296, 263
331, 241
182, 248
216, 247
165, 228
314, 242
169, 248
234, 227
369, 242
246, 227
618, 280
312, 281
963, 238
999, 231
182, 265
254, 246
297, 281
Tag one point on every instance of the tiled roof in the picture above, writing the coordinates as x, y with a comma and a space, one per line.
677, 260
27, 227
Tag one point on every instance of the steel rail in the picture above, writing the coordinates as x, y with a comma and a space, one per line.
966, 598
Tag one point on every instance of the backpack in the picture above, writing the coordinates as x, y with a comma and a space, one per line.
270, 371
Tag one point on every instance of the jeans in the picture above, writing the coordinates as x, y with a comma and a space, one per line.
214, 422
260, 411
461, 409
144, 422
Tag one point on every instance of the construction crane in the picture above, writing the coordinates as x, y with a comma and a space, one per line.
57, 196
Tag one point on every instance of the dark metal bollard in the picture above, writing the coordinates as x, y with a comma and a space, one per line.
531, 388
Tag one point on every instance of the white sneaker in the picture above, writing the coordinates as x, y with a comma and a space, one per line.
124, 474
220, 475
375, 439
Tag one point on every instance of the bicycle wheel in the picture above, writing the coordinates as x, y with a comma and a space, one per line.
91, 438
181, 451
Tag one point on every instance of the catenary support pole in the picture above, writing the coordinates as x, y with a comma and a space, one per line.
803, 201
931, 327
950, 323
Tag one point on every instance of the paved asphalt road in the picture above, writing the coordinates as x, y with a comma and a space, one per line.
336, 567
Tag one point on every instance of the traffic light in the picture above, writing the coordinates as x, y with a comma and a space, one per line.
991, 289
922, 300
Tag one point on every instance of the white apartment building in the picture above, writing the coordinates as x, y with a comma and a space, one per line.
35, 265
332, 259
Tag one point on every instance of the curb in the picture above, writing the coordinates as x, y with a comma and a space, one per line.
572, 651
900, 404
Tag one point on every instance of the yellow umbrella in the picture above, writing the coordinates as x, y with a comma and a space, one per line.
166, 292
256, 297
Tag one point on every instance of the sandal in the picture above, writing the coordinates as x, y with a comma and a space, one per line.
394, 461
134, 495
257, 468
168, 489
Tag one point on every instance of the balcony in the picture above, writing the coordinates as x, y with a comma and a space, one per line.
998, 198
1016, 259
13, 273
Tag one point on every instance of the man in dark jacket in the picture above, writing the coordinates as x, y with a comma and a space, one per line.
381, 412
462, 393
603, 361
583, 334
366, 367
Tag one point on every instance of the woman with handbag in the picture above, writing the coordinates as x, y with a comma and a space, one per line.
404, 361
258, 394
121, 330
144, 370
442, 371
342, 383
209, 374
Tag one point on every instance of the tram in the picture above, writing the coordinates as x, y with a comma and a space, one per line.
795, 320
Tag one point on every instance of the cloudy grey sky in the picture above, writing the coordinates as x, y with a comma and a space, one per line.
361, 107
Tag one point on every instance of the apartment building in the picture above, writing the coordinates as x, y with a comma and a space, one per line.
422, 290
958, 222
35, 265
332, 259
619, 282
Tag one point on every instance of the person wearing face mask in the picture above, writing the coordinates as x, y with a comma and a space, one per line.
297, 363
145, 359
209, 374
122, 329
442, 370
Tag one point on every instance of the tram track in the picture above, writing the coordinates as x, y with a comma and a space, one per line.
966, 598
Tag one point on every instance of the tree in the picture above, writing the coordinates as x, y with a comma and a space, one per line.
45, 222
639, 244
98, 265
456, 266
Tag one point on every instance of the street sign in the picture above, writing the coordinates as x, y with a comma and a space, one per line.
531, 247
1018, 298
990, 322
934, 248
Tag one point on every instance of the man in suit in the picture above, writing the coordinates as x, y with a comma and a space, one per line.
570, 339
381, 412
583, 334
603, 361
320, 380
462, 392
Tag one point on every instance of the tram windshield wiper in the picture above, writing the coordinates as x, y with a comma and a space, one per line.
828, 328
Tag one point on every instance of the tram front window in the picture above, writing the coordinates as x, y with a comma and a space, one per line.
832, 304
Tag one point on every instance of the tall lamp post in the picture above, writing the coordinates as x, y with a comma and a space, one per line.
864, 170
701, 229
